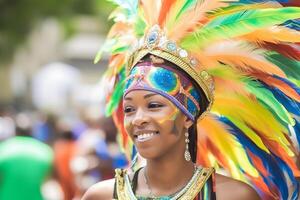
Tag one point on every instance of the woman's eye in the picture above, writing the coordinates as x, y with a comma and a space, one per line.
128, 109
155, 105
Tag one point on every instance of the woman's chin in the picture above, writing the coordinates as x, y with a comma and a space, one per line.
147, 154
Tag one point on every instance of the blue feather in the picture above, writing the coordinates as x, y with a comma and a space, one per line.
297, 130
290, 105
276, 177
292, 24
290, 173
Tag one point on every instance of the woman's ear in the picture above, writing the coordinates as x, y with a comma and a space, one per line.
188, 123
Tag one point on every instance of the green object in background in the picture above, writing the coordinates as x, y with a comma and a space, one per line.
25, 163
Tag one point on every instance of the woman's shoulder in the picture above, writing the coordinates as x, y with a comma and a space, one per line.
104, 190
229, 188
100, 191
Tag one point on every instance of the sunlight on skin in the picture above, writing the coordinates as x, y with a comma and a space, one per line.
172, 117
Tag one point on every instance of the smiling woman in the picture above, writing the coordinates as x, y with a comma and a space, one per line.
204, 89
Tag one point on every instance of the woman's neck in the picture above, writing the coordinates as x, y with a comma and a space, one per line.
169, 174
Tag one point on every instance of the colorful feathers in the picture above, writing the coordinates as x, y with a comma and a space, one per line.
252, 49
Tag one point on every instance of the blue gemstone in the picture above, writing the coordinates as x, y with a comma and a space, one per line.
171, 46
152, 37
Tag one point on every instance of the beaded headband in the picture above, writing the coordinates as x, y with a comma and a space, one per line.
168, 82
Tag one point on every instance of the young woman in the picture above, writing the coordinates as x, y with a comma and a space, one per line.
158, 129
206, 85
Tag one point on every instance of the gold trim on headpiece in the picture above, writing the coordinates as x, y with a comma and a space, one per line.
156, 43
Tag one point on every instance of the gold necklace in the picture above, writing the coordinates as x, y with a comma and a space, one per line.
151, 195
147, 183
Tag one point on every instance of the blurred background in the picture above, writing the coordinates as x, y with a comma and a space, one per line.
53, 132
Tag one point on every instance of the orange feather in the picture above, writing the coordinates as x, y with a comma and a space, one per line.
165, 8
275, 35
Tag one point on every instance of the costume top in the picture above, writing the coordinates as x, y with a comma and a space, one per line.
200, 187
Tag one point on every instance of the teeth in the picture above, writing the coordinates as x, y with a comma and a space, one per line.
145, 136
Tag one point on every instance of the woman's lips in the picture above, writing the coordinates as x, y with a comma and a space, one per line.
146, 136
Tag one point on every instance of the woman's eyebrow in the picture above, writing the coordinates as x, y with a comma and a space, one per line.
149, 95
128, 98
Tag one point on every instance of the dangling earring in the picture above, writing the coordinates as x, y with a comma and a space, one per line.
187, 154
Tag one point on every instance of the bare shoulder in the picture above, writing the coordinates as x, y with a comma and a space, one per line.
100, 191
231, 189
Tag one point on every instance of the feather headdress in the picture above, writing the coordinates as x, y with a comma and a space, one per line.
251, 48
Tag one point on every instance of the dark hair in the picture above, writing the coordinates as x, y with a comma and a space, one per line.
193, 142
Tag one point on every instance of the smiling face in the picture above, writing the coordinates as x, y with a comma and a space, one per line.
155, 125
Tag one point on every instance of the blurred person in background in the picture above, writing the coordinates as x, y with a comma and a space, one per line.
64, 152
86, 165
44, 129
98, 153
111, 147
7, 125
25, 164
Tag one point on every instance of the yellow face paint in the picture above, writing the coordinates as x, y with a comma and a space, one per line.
170, 117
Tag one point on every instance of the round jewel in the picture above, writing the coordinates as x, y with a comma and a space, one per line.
183, 53
204, 74
194, 61
171, 46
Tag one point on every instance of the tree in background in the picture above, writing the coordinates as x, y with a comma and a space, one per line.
18, 18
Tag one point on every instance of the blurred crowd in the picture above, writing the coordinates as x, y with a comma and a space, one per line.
45, 156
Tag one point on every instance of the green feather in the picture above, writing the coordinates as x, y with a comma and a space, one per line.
186, 5
105, 48
118, 49
238, 24
116, 95
290, 67
295, 81
139, 27
269, 101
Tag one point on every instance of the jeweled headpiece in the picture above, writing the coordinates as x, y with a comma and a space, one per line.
155, 42
250, 49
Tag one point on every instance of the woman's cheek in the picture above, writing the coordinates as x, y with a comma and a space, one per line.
127, 125
168, 117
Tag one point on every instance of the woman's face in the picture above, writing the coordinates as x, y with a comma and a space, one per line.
155, 125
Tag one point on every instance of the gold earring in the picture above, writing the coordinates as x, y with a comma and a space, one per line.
187, 154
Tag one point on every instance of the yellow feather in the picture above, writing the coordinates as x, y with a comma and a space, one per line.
225, 142
254, 115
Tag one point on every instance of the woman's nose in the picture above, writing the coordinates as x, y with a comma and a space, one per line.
140, 118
